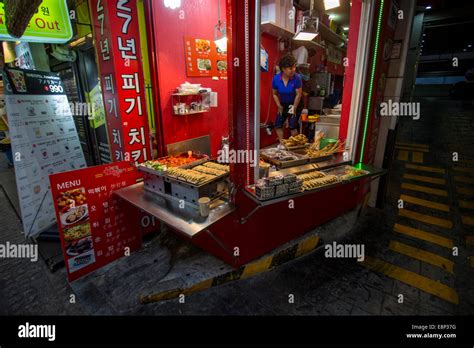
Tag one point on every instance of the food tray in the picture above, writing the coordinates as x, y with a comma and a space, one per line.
314, 159
340, 172
184, 181
301, 159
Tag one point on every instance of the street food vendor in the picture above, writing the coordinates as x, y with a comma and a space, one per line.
287, 91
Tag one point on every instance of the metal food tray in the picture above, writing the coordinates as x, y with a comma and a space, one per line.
202, 159
286, 164
192, 185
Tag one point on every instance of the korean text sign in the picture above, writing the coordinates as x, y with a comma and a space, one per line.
118, 49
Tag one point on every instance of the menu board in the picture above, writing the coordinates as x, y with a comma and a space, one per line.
95, 226
44, 141
204, 58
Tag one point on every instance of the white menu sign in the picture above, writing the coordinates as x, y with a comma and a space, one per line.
44, 141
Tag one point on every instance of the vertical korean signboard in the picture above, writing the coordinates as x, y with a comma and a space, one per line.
117, 42
95, 228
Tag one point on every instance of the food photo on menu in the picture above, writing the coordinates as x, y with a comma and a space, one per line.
309, 160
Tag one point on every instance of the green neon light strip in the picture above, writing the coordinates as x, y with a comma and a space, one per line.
372, 78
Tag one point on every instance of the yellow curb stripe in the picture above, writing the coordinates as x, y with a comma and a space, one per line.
412, 148
426, 218
464, 179
413, 145
470, 240
466, 204
403, 155
424, 189
423, 235
257, 267
417, 157
425, 203
467, 220
464, 169
307, 245
413, 279
425, 179
422, 255
206, 284
465, 191
425, 168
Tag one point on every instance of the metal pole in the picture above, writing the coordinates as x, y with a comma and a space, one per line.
256, 172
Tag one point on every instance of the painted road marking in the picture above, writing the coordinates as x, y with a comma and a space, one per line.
417, 157
257, 267
425, 179
470, 240
412, 148
464, 169
413, 145
423, 235
413, 279
467, 220
402, 155
425, 168
422, 255
465, 191
307, 245
427, 219
466, 204
425, 203
424, 189
464, 179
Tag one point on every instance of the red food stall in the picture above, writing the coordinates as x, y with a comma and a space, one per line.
251, 211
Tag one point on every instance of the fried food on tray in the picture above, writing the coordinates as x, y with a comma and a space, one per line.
315, 183
209, 170
297, 140
217, 166
311, 175
326, 151
189, 175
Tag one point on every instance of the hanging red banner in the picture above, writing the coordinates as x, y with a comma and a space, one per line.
117, 42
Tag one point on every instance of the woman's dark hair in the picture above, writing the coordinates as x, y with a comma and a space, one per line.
287, 61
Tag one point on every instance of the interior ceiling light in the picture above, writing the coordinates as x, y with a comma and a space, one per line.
308, 27
428, 7
307, 30
329, 4
345, 28
173, 4
220, 34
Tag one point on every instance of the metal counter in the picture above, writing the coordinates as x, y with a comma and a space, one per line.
186, 220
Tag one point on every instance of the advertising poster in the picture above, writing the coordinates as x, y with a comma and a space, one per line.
204, 59
95, 227
50, 24
44, 141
